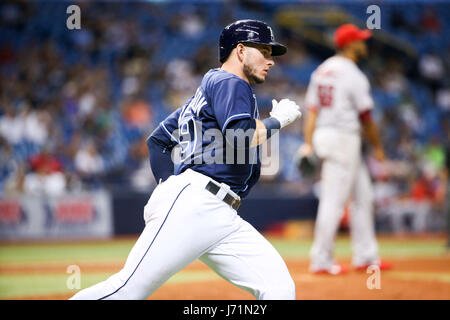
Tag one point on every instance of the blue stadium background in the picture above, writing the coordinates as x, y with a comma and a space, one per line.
77, 105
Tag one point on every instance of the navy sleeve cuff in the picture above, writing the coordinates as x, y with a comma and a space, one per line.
272, 126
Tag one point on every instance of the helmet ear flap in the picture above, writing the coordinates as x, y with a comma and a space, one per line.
227, 44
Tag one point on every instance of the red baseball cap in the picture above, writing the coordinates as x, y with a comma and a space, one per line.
348, 33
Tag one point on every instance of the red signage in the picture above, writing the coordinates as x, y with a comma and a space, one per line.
10, 212
80, 211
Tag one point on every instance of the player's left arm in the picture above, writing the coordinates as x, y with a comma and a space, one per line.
160, 158
371, 132
308, 131
312, 104
160, 144
364, 104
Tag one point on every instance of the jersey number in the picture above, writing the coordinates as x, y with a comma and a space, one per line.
187, 137
189, 128
325, 95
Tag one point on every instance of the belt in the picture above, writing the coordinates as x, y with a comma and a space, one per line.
229, 199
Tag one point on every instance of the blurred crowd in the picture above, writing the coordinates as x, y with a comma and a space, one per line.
77, 105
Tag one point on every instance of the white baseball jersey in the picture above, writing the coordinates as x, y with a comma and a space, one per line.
339, 91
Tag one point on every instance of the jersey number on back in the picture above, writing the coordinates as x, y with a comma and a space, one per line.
189, 128
325, 93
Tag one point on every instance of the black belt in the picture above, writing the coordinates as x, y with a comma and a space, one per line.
228, 199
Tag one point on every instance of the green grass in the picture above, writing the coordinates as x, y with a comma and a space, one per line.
118, 250
65, 252
43, 284
22, 285
387, 248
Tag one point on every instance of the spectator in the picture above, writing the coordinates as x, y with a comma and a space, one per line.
415, 204
137, 114
11, 171
443, 99
141, 178
88, 161
110, 81
11, 125
46, 176
430, 21
432, 69
37, 126
191, 24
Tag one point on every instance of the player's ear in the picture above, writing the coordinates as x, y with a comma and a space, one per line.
240, 51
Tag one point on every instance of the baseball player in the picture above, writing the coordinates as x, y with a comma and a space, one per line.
192, 213
339, 107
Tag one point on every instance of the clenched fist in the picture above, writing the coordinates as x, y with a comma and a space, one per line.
286, 111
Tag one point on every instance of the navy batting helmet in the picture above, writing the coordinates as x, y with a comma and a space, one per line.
247, 31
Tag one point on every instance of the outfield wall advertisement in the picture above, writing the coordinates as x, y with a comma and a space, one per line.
68, 216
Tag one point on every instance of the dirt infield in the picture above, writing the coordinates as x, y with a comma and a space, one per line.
413, 278
410, 279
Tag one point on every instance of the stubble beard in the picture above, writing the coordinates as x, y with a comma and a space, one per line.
249, 72
362, 53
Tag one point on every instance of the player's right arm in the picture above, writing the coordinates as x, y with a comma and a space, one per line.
282, 114
231, 101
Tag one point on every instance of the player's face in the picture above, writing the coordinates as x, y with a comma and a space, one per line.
360, 48
257, 62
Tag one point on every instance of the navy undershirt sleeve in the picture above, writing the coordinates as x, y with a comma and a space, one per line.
160, 158
160, 144
271, 124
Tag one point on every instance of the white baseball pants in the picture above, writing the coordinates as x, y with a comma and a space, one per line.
344, 177
185, 222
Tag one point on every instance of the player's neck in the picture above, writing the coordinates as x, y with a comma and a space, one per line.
349, 55
236, 70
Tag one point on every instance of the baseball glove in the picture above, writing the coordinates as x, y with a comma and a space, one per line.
307, 163
308, 166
